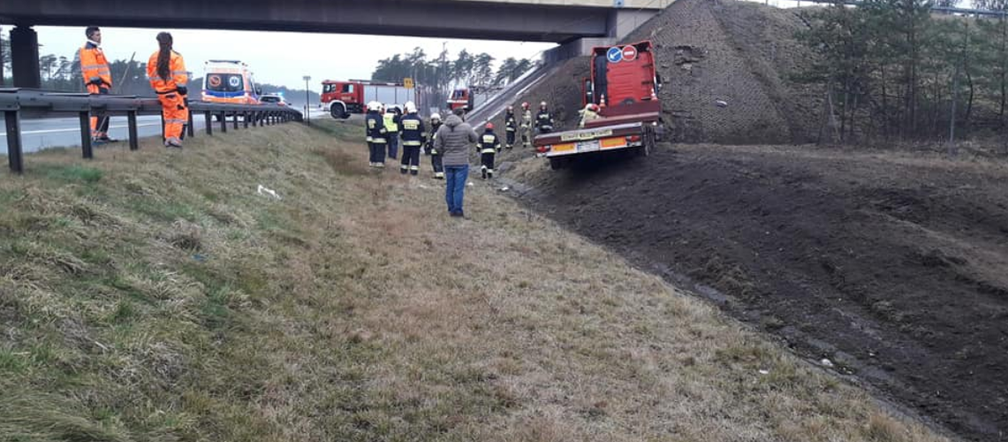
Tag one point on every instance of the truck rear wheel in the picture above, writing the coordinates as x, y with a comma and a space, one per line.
338, 112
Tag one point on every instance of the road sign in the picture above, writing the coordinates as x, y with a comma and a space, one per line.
615, 54
408, 83
629, 53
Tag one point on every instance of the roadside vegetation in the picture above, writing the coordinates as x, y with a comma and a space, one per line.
157, 296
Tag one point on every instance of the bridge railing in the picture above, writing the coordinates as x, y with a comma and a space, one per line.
21, 103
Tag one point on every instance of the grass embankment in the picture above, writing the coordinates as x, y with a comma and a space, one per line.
155, 296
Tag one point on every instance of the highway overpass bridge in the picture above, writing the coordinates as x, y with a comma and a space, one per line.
576, 24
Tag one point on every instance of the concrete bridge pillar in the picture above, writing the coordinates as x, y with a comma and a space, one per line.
25, 57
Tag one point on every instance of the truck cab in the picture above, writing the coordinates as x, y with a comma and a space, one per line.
229, 81
461, 98
342, 98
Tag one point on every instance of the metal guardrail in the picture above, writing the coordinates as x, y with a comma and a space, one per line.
18, 103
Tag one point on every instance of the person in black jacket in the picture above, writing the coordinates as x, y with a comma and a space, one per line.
489, 145
374, 124
413, 136
544, 120
436, 158
510, 127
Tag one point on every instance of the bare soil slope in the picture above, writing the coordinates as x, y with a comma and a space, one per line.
894, 267
741, 53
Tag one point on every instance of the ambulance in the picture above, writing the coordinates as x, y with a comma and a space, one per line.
229, 81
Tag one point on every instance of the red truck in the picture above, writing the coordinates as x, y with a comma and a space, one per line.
342, 98
625, 85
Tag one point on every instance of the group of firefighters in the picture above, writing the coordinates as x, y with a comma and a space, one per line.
167, 75
385, 126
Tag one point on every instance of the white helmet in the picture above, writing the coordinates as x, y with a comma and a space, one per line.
435, 116
410, 107
373, 106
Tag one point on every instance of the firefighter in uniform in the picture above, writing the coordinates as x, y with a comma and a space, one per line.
526, 125
590, 112
97, 78
167, 74
488, 146
391, 121
436, 164
413, 138
375, 126
510, 126
544, 121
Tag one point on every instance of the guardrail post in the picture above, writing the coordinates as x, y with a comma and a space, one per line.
163, 138
261, 118
131, 118
189, 127
245, 118
85, 127
234, 118
14, 154
223, 122
209, 123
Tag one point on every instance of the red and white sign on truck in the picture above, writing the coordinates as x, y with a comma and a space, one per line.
342, 98
625, 85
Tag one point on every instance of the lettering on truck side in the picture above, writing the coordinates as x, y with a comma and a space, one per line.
585, 135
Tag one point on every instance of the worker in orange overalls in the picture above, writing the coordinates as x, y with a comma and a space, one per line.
97, 79
167, 74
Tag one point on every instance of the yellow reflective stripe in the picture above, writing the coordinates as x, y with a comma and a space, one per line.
368, 139
411, 143
488, 151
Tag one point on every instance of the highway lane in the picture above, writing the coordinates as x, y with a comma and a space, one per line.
38, 134
65, 132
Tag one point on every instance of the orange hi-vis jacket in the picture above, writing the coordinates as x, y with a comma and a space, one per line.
94, 65
179, 76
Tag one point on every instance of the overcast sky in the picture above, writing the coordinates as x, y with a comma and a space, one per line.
280, 58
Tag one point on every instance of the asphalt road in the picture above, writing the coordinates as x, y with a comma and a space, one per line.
65, 132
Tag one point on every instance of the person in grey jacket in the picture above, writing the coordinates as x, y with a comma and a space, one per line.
454, 140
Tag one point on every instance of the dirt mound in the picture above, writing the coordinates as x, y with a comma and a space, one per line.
893, 267
741, 53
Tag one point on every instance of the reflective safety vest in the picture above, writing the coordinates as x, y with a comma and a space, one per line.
489, 143
391, 125
412, 130
94, 65
586, 116
510, 123
375, 129
177, 74
544, 121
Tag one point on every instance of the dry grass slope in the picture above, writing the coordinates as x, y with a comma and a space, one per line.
154, 296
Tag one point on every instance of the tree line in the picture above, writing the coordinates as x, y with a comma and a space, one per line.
896, 70
442, 73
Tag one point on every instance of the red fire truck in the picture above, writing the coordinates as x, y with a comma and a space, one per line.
342, 98
625, 84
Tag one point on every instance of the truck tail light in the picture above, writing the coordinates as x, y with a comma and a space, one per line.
633, 138
544, 149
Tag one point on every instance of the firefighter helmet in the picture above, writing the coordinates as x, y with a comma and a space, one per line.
435, 116
410, 107
373, 106
525, 105
489, 126
542, 104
